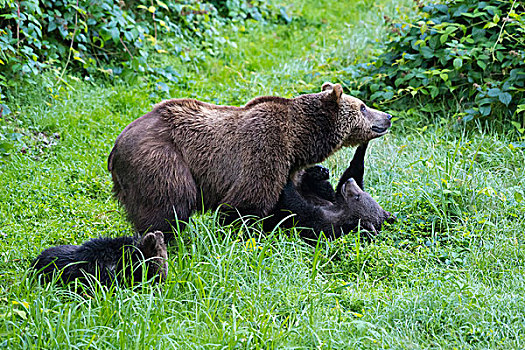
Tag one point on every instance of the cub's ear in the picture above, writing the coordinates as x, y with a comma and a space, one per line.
148, 244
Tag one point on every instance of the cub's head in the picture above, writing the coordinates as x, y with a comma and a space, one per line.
358, 204
155, 254
358, 123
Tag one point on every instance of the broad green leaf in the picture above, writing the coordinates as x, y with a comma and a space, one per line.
427, 52
494, 92
458, 63
388, 95
485, 110
505, 98
4, 110
472, 15
5, 146
468, 117
115, 34
481, 64
434, 91
162, 4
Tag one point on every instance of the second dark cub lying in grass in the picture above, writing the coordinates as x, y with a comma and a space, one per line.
108, 260
318, 208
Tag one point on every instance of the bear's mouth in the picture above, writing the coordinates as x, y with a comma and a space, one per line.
379, 130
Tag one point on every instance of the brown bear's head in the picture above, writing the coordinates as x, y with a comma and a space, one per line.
358, 123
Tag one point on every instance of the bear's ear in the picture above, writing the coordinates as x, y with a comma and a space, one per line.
336, 93
327, 86
149, 245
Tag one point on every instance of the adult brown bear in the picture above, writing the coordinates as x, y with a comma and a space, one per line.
186, 155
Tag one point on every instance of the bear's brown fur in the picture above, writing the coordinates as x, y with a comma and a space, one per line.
188, 155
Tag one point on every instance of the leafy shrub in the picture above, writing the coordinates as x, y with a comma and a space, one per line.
105, 36
464, 55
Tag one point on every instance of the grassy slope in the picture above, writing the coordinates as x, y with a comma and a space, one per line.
449, 273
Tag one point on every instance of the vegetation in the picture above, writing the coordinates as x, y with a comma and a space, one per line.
449, 273
465, 56
108, 38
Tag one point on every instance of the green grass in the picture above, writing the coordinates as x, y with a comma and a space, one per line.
450, 273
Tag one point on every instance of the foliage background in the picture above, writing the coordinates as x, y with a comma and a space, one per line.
464, 56
112, 38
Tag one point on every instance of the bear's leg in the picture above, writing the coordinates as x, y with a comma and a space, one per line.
169, 210
158, 191
314, 183
259, 187
356, 169
307, 215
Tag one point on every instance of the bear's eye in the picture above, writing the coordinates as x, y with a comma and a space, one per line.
363, 109
356, 197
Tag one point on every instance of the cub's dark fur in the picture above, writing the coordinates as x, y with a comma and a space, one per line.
317, 207
186, 155
121, 259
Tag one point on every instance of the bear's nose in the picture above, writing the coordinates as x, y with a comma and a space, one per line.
389, 116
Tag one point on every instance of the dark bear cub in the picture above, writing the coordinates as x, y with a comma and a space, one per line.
109, 260
318, 208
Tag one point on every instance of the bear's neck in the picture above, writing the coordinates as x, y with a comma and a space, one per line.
314, 132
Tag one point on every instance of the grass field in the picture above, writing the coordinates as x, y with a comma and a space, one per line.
448, 274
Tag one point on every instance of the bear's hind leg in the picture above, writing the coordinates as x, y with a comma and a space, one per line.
160, 193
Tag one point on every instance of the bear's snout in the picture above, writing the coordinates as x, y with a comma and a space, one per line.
381, 122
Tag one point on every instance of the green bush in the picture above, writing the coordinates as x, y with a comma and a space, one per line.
109, 37
467, 56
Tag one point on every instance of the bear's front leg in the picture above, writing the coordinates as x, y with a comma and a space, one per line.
302, 214
356, 169
314, 185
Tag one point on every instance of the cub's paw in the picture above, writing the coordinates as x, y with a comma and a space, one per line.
316, 173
